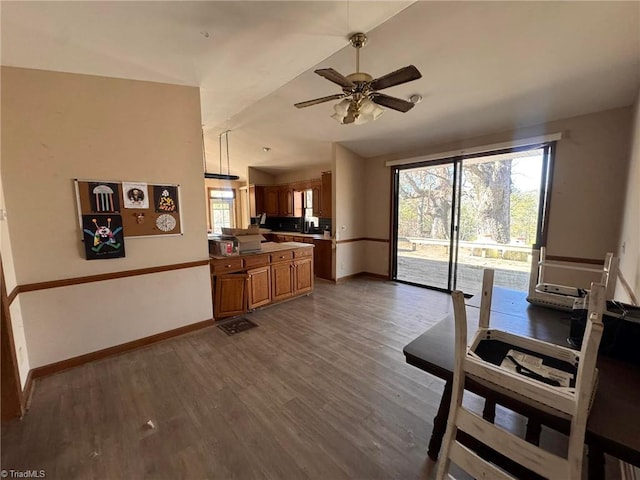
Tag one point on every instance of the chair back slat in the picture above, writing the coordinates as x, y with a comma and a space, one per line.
517, 449
474, 465
485, 300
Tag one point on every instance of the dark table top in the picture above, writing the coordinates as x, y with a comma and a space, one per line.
614, 421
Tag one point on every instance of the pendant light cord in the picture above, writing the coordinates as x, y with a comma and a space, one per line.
220, 148
204, 155
226, 141
226, 136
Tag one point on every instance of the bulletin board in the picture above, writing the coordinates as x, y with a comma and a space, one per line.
146, 209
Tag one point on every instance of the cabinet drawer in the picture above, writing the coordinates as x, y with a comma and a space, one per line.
281, 256
303, 252
252, 261
226, 265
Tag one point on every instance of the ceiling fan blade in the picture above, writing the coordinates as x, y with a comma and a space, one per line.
316, 101
335, 77
404, 75
391, 102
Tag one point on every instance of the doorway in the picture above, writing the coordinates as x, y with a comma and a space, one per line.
456, 217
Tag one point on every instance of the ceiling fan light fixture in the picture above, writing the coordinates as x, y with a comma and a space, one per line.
367, 107
364, 100
341, 109
364, 111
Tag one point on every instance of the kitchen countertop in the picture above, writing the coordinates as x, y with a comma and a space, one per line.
267, 247
315, 236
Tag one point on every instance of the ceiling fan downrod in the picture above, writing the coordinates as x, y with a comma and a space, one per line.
358, 40
360, 79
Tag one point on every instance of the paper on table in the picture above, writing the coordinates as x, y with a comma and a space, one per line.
534, 364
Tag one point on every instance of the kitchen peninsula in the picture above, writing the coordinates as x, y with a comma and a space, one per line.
322, 253
277, 272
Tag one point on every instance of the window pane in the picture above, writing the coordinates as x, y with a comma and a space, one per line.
213, 193
221, 214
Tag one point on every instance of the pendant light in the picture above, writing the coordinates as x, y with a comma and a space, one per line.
218, 176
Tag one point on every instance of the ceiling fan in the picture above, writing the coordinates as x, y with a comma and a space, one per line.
362, 89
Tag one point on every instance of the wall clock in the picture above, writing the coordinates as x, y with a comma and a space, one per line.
166, 222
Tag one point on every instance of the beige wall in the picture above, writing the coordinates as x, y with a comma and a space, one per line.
349, 211
70, 321
587, 196
630, 231
300, 175
57, 127
377, 216
259, 177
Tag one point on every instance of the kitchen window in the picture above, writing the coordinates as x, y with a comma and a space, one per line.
222, 211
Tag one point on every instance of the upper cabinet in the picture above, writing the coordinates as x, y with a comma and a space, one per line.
271, 201
316, 195
256, 200
290, 200
286, 202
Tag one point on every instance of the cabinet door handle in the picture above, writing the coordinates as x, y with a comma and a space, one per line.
228, 266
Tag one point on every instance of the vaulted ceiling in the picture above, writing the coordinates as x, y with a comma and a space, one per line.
486, 66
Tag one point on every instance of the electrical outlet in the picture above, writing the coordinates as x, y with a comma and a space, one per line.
20, 355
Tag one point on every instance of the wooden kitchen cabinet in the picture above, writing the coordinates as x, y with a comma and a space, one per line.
271, 201
285, 204
325, 197
245, 282
259, 287
256, 200
230, 295
226, 265
281, 280
323, 259
316, 194
302, 275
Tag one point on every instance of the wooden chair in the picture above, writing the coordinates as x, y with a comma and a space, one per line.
571, 402
565, 297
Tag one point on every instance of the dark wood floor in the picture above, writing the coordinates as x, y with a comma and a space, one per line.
319, 390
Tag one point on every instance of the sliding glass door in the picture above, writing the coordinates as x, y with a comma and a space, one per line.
455, 218
425, 217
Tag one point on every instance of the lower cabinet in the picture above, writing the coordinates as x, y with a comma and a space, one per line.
281, 280
230, 295
323, 259
259, 287
261, 279
302, 275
